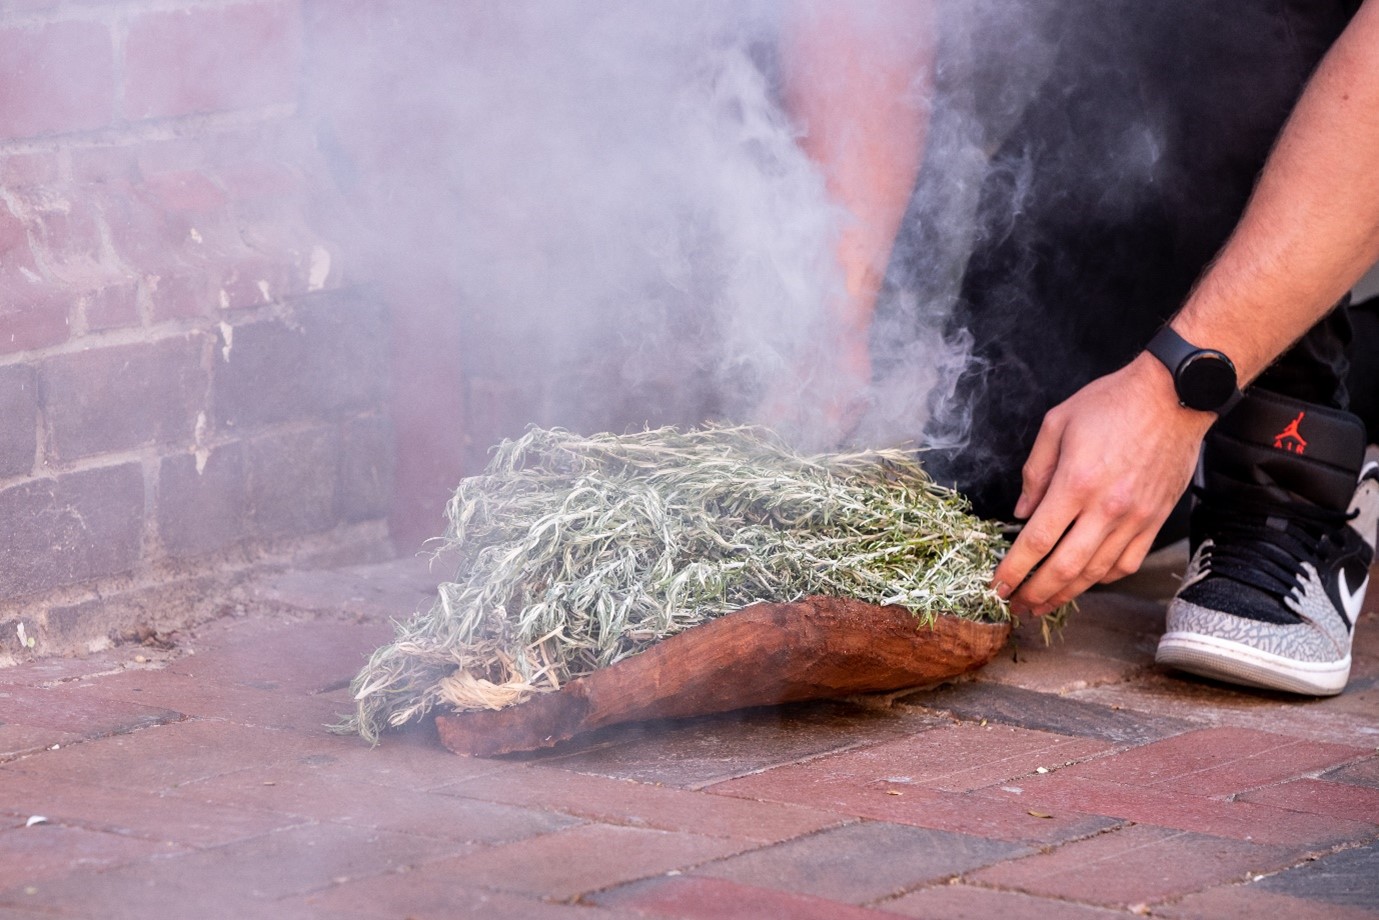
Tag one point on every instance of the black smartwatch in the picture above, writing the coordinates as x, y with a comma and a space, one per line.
1204, 378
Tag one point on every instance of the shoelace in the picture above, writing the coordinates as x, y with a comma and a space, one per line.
1264, 543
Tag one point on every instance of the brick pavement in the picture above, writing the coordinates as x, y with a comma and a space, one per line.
1075, 781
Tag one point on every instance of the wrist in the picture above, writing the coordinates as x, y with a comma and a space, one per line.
1204, 379
1156, 386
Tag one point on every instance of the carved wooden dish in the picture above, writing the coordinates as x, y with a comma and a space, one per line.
765, 654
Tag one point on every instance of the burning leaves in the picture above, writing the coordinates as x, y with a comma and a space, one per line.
576, 552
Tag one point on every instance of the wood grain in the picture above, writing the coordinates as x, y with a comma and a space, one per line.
815, 648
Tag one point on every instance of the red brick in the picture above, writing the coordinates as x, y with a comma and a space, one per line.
122, 397
1218, 761
72, 528
987, 816
1363, 773
292, 789
956, 758
112, 307
179, 296
694, 753
258, 707
583, 859
27, 739
18, 414
1246, 902
201, 501
162, 758
58, 78
241, 879
859, 863
69, 709
185, 192
32, 855
1167, 807
1134, 865
430, 893
179, 820
23, 170
964, 902
184, 62
638, 804
691, 898
1317, 797
31, 315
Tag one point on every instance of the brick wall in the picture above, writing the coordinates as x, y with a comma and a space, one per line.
193, 381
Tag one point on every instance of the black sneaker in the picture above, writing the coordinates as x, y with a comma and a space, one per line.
1283, 536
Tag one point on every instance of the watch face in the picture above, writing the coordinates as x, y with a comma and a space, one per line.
1205, 381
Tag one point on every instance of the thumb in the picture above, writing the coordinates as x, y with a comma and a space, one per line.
1039, 467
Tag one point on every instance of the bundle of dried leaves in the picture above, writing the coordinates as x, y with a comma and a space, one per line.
575, 552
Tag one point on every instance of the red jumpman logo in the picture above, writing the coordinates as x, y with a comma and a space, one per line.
1290, 439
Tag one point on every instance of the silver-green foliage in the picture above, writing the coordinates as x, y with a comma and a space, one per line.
575, 552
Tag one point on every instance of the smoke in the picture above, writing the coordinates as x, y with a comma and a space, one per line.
640, 231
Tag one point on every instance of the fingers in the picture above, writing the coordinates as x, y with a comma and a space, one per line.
1039, 468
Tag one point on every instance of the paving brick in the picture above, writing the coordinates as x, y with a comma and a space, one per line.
201, 502
978, 700
1361, 773
159, 759
583, 859
693, 753
18, 420
1349, 878
236, 880
859, 863
122, 397
616, 801
332, 357
1000, 818
300, 657
1316, 797
58, 77
287, 789
431, 893
31, 855
70, 528
178, 820
1167, 807
965, 902
1134, 865
383, 591
690, 898
243, 55
241, 703
69, 709
292, 482
16, 740
1218, 761
1250, 902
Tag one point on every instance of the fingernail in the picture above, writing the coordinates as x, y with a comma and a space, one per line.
1002, 590
1043, 610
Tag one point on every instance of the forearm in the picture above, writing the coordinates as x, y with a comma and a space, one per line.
857, 82
1312, 226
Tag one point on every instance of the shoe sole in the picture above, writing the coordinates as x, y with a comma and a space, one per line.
1237, 663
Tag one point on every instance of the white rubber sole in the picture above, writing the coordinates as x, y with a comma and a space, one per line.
1237, 663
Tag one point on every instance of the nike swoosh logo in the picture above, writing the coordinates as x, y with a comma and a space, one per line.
1352, 601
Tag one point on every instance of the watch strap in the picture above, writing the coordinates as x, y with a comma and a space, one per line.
1173, 350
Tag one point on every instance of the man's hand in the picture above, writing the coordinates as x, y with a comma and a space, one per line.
1105, 472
